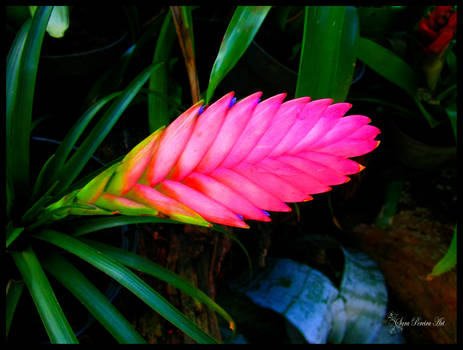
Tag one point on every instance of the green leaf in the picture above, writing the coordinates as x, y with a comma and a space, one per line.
59, 20
328, 52
389, 208
224, 231
387, 64
14, 291
95, 301
452, 115
142, 264
127, 279
12, 233
391, 67
83, 227
76, 163
51, 170
449, 260
157, 105
56, 324
20, 117
240, 32
12, 70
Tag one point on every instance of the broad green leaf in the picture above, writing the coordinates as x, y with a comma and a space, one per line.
14, 291
76, 163
391, 67
387, 64
328, 52
127, 279
142, 264
240, 32
95, 301
53, 318
157, 105
21, 106
448, 261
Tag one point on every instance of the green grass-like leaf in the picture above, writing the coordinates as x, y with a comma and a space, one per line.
142, 264
14, 291
391, 67
157, 105
241, 30
20, 107
52, 169
448, 261
76, 163
53, 318
90, 225
95, 301
127, 279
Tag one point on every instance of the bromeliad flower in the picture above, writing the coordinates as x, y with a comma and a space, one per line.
232, 161
437, 30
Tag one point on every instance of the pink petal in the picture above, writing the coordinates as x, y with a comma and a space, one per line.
365, 132
319, 172
223, 194
248, 189
208, 208
343, 128
204, 133
171, 145
328, 119
350, 147
256, 127
339, 164
303, 180
232, 128
281, 123
274, 184
304, 122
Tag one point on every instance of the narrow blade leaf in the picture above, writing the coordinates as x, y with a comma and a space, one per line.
14, 291
53, 318
142, 264
242, 29
157, 105
95, 301
75, 165
21, 109
127, 279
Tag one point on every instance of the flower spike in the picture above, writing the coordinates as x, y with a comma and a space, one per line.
233, 161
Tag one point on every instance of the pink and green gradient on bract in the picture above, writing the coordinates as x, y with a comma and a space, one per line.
235, 161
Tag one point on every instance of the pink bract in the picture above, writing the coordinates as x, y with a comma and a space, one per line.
232, 162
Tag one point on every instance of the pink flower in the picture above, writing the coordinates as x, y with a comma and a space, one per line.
236, 161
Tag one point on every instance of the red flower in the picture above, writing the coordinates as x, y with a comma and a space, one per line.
437, 30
